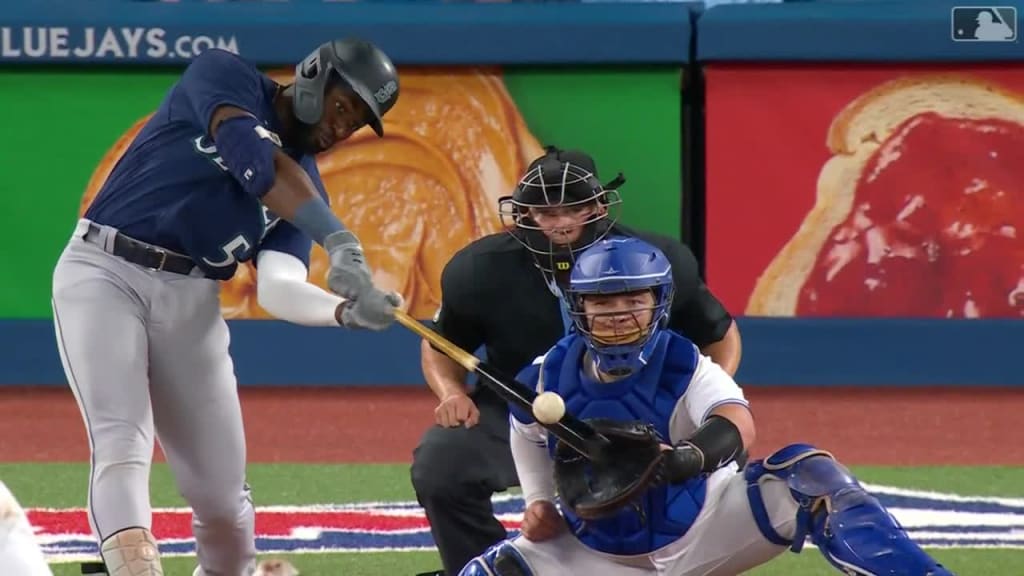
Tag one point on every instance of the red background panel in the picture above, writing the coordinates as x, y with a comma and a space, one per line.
766, 144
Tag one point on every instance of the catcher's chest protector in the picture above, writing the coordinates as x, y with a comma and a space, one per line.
666, 512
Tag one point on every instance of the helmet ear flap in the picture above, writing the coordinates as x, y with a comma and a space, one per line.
668, 295
308, 94
310, 67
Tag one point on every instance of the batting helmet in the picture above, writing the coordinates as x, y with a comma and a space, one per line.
363, 66
559, 178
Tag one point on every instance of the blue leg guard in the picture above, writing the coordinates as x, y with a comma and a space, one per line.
850, 527
502, 559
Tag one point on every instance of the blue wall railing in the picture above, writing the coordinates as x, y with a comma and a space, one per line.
276, 33
794, 352
847, 31
414, 33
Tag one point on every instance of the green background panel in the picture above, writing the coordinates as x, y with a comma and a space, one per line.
58, 125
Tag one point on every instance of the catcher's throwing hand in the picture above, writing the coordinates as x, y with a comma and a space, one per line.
457, 409
542, 521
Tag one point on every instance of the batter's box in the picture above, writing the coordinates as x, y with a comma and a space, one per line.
984, 24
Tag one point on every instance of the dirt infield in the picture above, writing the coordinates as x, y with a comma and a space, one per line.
884, 426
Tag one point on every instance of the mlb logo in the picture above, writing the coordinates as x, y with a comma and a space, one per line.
984, 24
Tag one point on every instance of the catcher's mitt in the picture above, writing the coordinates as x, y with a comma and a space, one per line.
631, 462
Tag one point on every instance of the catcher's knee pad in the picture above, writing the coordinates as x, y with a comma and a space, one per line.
850, 527
131, 552
502, 559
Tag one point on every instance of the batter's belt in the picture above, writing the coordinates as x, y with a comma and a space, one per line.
138, 252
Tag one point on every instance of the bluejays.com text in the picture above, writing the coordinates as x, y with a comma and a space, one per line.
104, 43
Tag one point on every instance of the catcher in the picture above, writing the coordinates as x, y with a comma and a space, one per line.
665, 496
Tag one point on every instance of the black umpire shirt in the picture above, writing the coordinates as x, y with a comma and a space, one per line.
493, 295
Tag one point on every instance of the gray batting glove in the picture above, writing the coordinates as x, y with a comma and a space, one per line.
375, 310
348, 276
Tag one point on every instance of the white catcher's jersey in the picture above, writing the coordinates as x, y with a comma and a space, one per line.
710, 387
724, 539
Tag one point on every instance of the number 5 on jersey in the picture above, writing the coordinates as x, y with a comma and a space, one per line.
234, 251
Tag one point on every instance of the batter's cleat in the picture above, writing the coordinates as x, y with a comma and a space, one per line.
132, 552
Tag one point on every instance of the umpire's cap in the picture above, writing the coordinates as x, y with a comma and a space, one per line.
363, 66
561, 177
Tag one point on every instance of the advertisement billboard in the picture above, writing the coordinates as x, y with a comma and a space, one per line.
458, 139
867, 192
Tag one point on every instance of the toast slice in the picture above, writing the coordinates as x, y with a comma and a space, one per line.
879, 118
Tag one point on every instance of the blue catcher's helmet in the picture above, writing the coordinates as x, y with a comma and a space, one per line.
639, 277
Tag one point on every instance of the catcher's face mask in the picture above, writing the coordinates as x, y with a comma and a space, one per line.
619, 295
620, 327
617, 319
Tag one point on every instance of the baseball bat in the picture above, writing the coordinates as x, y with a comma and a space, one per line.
579, 435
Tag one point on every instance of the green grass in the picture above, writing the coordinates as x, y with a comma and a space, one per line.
64, 484
1006, 481
808, 563
350, 564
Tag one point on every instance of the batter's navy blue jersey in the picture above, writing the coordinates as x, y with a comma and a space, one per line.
171, 188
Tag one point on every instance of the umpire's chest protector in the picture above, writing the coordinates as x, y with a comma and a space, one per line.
651, 396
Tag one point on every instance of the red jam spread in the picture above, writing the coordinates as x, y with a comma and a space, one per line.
936, 229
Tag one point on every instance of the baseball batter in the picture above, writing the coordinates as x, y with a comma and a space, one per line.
223, 172
708, 517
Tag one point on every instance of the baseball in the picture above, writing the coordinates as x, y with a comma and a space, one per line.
548, 408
